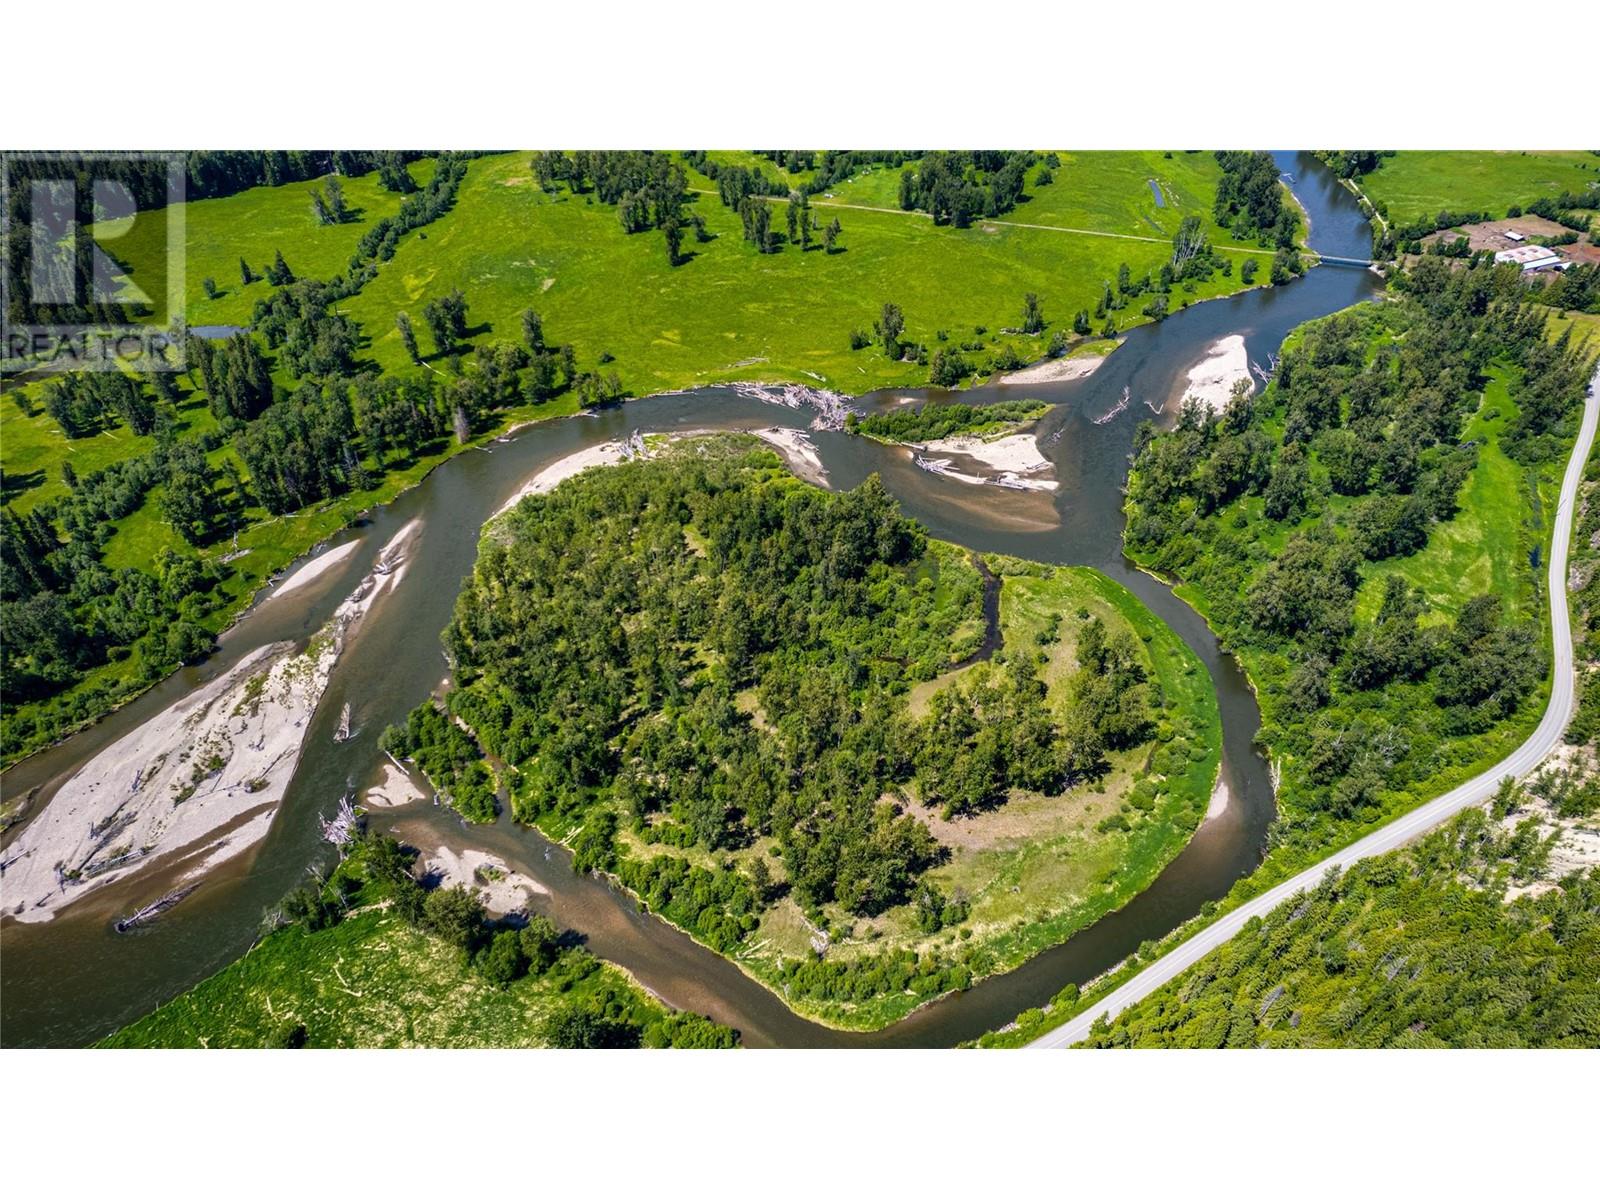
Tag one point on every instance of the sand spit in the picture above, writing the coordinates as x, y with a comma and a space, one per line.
1212, 379
201, 780
1011, 462
393, 790
1220, 796
798, 451
607, 454
794, 445
317, 567
501, 889
1057, 370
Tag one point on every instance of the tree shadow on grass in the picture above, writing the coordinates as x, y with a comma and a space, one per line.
14, 483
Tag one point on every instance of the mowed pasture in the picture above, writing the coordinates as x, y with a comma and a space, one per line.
1414, 185
732, 313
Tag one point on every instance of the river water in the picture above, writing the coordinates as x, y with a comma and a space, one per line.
71, 980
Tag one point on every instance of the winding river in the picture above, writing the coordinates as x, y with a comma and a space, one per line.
71, 980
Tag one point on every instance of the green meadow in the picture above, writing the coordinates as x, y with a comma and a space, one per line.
255, 225
1416, 184
1500, 522
732, 313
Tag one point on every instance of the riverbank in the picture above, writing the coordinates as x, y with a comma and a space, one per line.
197, 784
373, 981
1515, 746
1213, 379
1060, 370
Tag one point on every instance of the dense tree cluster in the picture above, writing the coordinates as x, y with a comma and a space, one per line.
450, 759
1421, 947
1356, 454
91, 402
1349, 164
65, 612
958, 186
1250, 200
811, 611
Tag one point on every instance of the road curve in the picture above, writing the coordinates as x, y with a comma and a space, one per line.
1519, 762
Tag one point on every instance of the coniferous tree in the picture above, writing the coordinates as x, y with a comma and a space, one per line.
337, 208
408, 337
890, 325
1032, 314
532, 330
279, 274
447, 320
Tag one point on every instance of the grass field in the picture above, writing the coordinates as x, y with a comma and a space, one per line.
369, 981
34, 447
731, 313
1416, 184
1103, 191
255, 225
1038, 868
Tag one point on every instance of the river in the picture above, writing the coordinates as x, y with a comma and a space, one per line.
73, 979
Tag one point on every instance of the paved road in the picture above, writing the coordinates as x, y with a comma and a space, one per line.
1402, 830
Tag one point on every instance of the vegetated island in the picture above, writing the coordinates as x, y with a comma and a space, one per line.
929, 422
780, 717
969, 443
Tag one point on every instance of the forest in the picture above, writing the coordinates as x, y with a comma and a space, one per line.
696, 669
1440, 944
1315, 527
